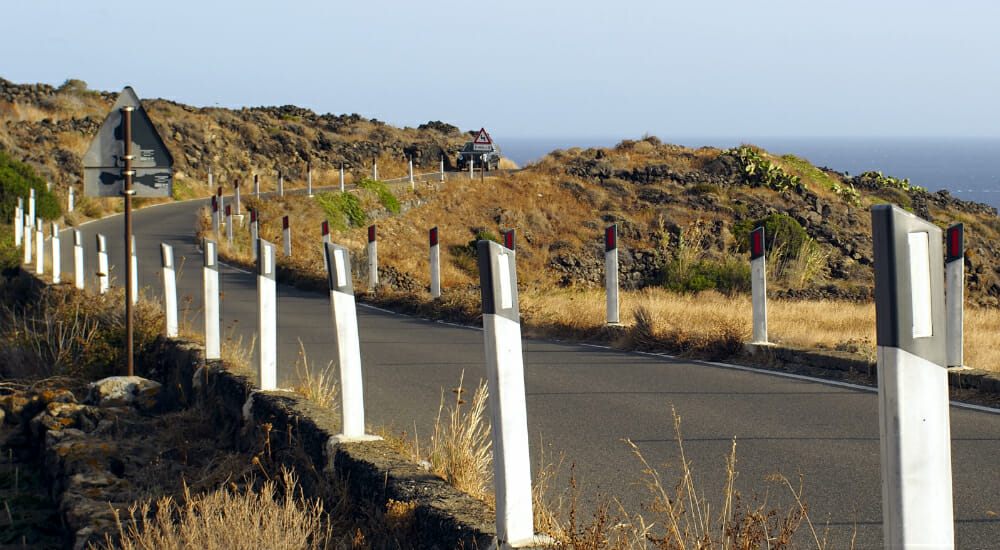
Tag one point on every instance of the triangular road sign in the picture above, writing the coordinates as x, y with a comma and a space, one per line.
104, 161
483, 138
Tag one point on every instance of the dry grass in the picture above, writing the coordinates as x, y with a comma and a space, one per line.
460, 448
316, 385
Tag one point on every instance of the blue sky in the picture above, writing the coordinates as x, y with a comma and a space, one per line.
539, 69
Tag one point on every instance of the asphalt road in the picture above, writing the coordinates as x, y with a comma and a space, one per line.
583, 401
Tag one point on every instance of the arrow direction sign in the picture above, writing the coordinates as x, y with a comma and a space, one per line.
104, 161
482, 141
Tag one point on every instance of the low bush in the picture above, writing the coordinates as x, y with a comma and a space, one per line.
342, 209
16, 180
381, 190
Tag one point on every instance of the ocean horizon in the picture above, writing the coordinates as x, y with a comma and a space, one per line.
968, 168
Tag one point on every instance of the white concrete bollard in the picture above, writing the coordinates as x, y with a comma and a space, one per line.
309, 179
215, 217
345, 334
236, 198
372, 259
70, 202
229, 224
256, 185
253, 233
758, 286
286, 235
911, 331
19, 222
103, 265
955, 293
281, 184
267, 320
435, 264
169, 290
134, 261
508, 411
39, 248
324, 230
78, 277
210, 277
341, 177
56, 254
611, 272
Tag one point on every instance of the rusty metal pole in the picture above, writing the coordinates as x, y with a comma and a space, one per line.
129, 172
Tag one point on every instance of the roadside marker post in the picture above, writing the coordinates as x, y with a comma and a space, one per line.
324, 230
375, 169
281, 184
508, 411
229, 224
758, 286
955, 293
169, 290
39, 248
28, 252
56, 254
31, 208
253, 233
435, 264
78, 260
222, 204
134, 274
215, 217
69, 200
19, 222
210, 278
287, 235
103, 267
611, 272
267, 321
411, 173
442, 168
309, 179
209, 177
914, 424
236, 197
472, 171
256, 185
345, 332
372, 259
508, 239
341, 177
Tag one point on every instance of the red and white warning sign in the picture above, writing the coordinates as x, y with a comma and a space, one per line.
482, 141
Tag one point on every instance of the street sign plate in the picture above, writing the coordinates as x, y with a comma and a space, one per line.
103, 162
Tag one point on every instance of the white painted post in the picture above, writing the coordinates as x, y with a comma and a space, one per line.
611, 272
914, 424
31, 208
222, 205
411, 173
345, 334
955, 293
372, 259
253, 232
508, 411
442, 168
103, 267
256, 185
19, 222
472, 170
78, 277
169, 290
134, 259
236, 197
341, 177
27, 241
758, 286
56, 258
215, 217
375, 169
281, 184
210, 277
435, 264
39, 248
309, 179
267, 320
287, 236
209, 177
229, 224
69, 200
324, 229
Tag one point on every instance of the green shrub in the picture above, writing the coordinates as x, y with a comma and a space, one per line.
761, 172
466, 256
781, 232
730, 276
16, 179
342, 209
388, 200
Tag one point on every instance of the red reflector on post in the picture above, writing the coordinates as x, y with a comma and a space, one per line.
325, 228
609, 238
284, 222
371, 233
434, 236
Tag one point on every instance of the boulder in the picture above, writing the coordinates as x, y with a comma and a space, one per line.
125, 391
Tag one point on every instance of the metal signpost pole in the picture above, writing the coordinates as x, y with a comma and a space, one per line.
102, 264
955, 292
345, 333
56, 254
911, 331
128, 172
758, 286
267, 321
372, 259
611, 272
134, 262
287, 236
435, 264
78, 260
508, 412
210, 279
169, 290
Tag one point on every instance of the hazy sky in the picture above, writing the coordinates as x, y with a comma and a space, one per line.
535, 68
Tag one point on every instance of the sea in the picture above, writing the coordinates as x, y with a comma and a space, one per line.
969, 168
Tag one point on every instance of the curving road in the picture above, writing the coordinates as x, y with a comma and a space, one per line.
584, 400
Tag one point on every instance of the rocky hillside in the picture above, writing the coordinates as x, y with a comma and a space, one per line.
683, 214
